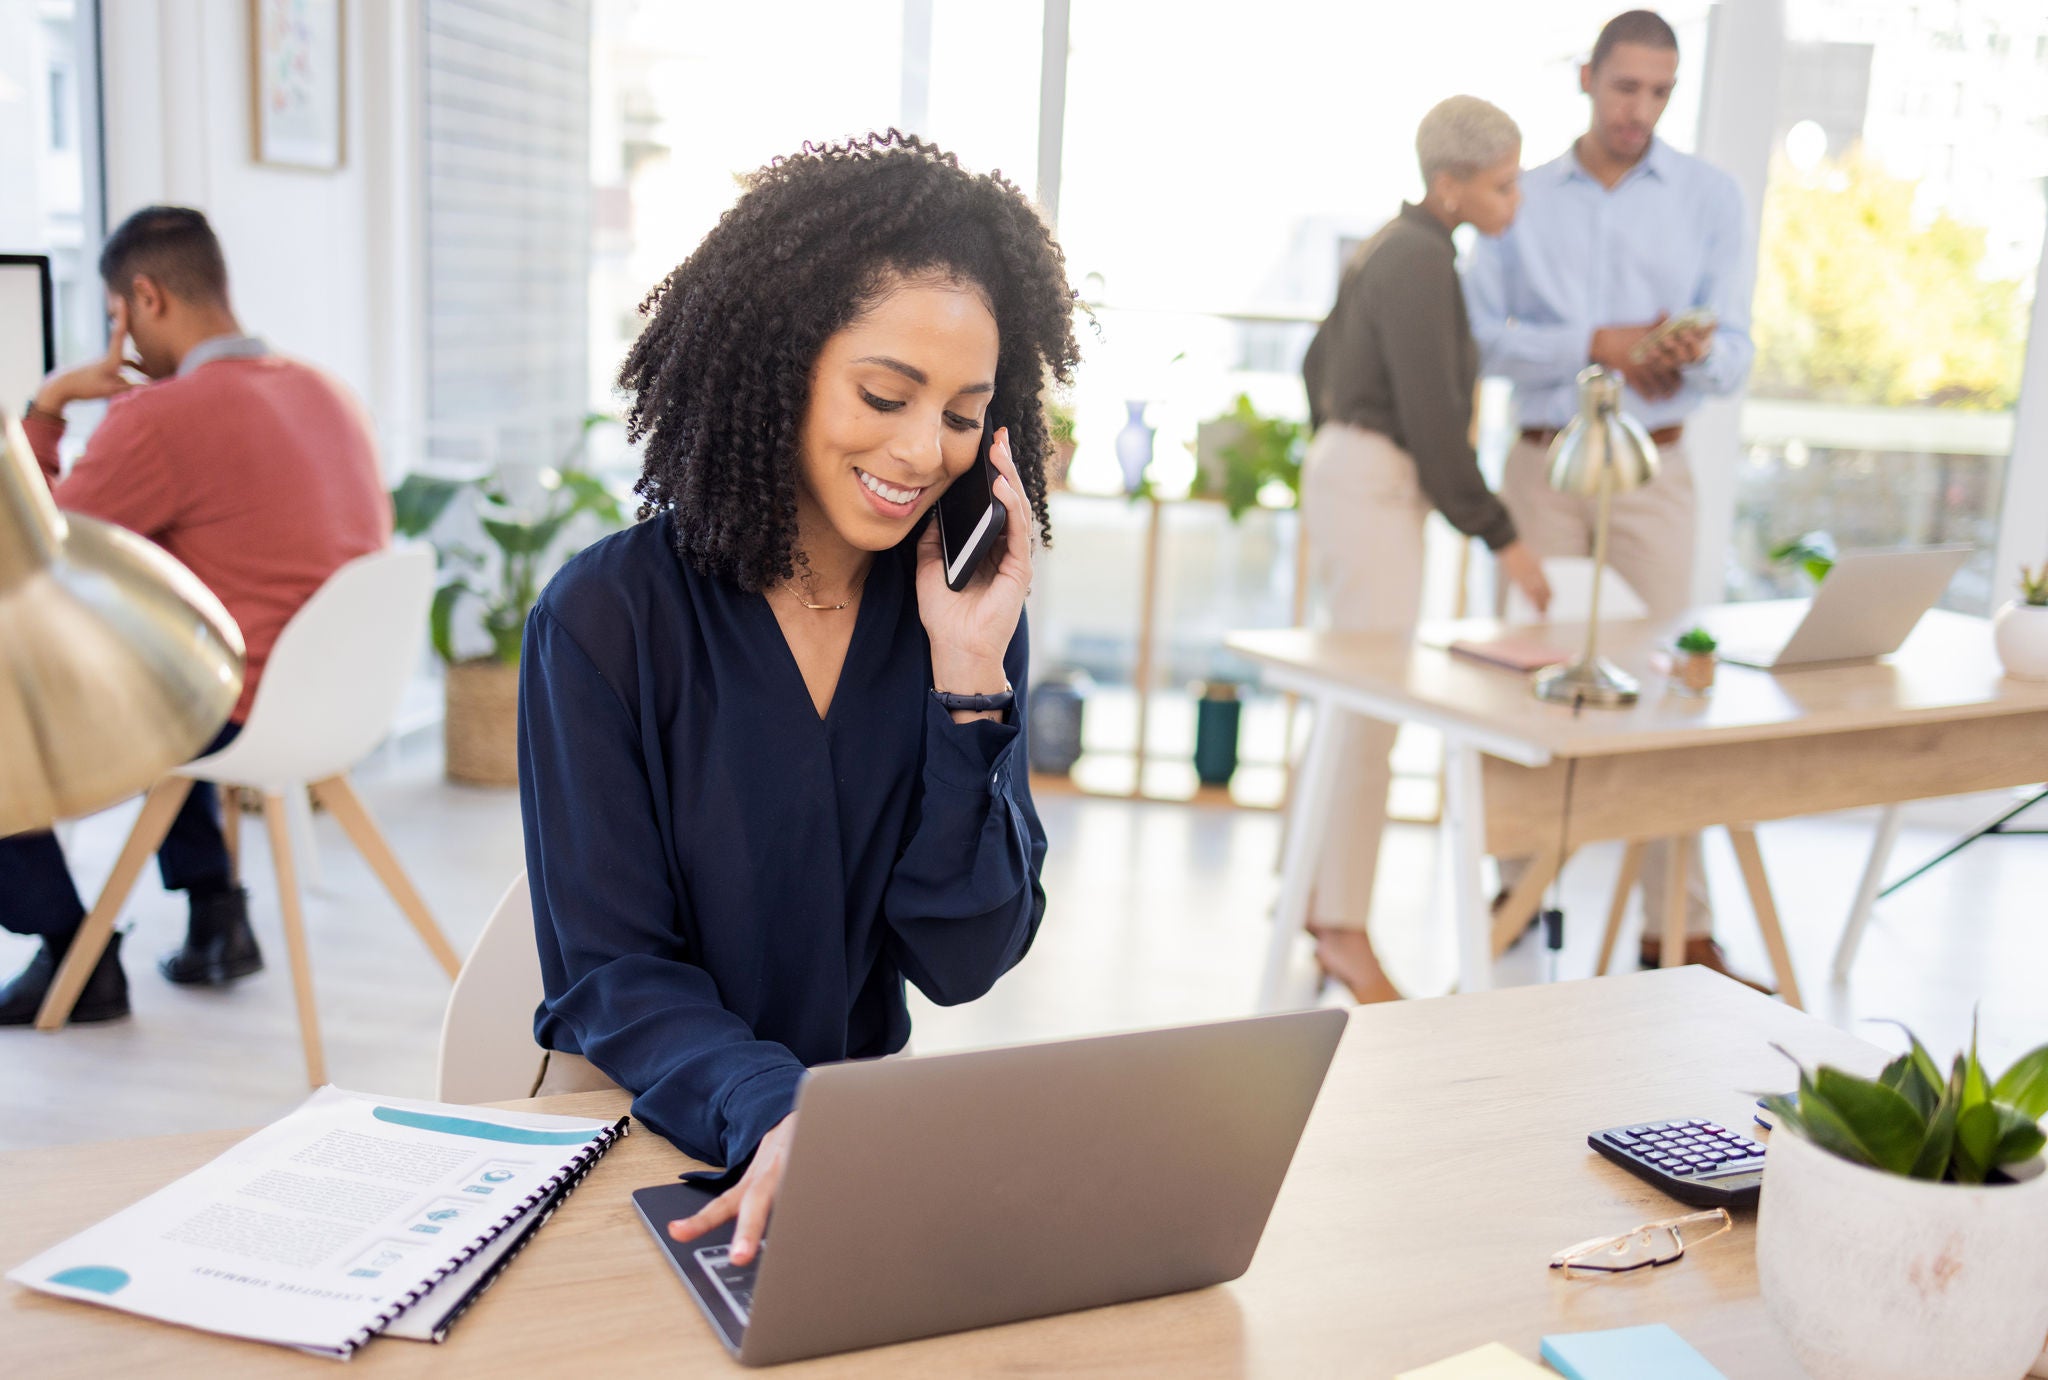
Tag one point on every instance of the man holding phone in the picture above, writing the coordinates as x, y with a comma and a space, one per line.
1634, 256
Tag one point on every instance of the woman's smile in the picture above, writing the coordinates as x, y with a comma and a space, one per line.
890, 500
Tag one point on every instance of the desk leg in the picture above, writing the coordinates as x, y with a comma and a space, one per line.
1308, 825
1866, 890
1617, 909
1751, 859
1465, 831
1675, 902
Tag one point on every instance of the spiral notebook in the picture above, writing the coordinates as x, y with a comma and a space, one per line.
352, 1218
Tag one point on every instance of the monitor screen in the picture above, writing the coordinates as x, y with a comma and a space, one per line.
28, 335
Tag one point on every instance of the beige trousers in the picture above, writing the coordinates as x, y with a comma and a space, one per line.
1650, 536
1364, 511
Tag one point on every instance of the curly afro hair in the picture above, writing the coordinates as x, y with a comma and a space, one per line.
721, 377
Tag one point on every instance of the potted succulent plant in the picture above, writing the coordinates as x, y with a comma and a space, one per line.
2020, 630
1903, 1231
1692, 661
482, 688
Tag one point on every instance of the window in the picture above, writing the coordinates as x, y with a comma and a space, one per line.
49, 142
1894, 289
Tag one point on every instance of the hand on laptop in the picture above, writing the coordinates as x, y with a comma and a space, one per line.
749, 1199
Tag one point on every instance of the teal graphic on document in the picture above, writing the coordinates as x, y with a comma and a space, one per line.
101, 1279
477, 1130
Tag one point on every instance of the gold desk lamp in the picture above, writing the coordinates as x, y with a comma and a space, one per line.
1602, 453
116, 663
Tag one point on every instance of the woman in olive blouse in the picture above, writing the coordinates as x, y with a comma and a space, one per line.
1390, 381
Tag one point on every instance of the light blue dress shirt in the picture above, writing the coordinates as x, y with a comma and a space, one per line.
1668, 237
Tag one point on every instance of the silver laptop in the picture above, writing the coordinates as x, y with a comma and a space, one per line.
952, 1191
1865, 608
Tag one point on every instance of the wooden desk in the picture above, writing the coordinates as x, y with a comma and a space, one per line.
1445, 1162
1938, 718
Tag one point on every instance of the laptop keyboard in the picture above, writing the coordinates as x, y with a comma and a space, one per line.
735, 1282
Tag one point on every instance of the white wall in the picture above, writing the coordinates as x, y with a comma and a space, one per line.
322, 264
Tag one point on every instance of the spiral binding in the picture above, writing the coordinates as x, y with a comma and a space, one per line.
558, 1187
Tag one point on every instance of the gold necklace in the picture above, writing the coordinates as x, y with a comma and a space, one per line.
790, 585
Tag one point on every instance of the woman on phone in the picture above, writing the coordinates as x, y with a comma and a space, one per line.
1390, 378
770, 765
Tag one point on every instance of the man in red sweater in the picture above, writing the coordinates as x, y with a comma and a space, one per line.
256, 471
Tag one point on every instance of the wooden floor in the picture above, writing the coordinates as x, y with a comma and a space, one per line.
1157, 915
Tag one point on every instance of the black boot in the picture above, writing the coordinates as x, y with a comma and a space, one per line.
104, 997
219, 945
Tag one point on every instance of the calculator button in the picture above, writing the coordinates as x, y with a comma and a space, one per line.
1621, 1138
1682, 1168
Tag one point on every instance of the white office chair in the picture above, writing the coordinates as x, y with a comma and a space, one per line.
332, 684
487, 1049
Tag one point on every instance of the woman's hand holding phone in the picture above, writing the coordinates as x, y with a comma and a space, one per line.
970, 630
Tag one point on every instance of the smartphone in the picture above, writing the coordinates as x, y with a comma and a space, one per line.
1697, 319
971, 517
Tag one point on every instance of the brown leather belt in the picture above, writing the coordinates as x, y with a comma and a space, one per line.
1544, 435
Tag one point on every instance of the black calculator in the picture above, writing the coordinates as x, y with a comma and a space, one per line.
1698, 1162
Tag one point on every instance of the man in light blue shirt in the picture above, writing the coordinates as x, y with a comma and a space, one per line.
1619, 234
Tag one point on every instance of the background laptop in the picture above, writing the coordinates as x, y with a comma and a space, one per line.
1865, 608
951, 1191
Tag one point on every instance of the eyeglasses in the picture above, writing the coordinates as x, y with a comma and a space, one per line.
1653, 1243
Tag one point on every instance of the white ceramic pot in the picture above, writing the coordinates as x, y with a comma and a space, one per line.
2020, 632
1880, 1277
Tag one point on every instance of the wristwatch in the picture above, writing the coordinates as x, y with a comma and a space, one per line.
974, 704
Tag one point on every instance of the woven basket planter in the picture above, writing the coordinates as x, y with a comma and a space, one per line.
482, 724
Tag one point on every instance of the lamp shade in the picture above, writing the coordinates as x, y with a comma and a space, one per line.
1601, 438
116, 663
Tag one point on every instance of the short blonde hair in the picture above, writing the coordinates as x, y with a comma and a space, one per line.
1462, 135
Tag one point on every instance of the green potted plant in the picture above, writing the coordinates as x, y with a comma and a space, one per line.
1904, 1225
482, 688
1059, 420
1692, 661
1813, 552
1241, 453
2020, 629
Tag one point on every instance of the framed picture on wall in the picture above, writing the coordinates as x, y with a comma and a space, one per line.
296, 90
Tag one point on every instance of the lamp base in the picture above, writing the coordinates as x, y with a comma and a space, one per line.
1595, 681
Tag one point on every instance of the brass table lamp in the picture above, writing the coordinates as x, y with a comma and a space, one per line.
1602, 453
116, 663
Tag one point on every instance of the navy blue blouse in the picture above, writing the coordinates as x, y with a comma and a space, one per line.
728, 888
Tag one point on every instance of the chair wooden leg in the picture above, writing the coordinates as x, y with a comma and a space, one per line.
231, 829
1631, 869
1521, 903
347, 808
1675, 906
1751, 859
278, 823
159, 808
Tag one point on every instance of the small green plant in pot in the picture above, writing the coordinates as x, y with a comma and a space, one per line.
2020, 629
1245, 458
504, 581
1904, 1225
1059, 420
1692, 662
1812, 552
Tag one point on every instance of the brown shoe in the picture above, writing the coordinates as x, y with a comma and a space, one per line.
1707, 953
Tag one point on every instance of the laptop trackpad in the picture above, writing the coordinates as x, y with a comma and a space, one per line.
723, 1290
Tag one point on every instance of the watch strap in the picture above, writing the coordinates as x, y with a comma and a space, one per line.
974, 704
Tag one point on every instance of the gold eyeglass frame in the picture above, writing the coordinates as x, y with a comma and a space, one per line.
1584, 1255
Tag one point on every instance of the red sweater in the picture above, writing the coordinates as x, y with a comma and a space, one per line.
259, 474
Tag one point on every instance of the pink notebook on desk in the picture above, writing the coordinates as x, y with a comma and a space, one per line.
1516, 652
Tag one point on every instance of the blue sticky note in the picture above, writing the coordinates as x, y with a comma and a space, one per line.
1627, 1353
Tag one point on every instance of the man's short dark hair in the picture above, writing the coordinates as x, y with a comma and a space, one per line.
1644, 27
172, 245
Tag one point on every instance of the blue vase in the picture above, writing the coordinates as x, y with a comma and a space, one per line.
1134, 447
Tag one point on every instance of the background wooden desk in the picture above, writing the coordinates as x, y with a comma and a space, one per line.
1445, 1162
1938, 718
